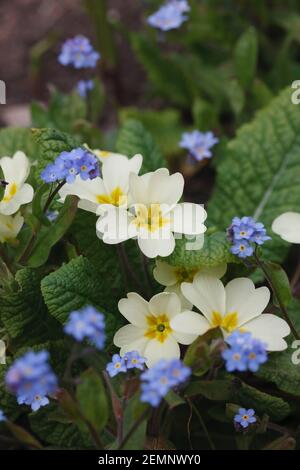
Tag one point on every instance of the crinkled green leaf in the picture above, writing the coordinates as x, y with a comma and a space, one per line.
134, 138
260, 173
279, 280
51, 142
215, 251
74, 286
24, 313
245, 57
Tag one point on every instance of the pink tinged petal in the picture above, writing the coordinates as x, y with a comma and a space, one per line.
135, 309
165, 303
270, 329
188, 218
207, 293
155, 350
190, 323
127, 335
287, 226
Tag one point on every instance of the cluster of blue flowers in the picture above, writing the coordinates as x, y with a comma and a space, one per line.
245, 417
171, 15
244, 353
2, 416
83, 87
244, 234
31, 379
131, 360
161, 378
70, 164
198, 143
79, 53
89, 324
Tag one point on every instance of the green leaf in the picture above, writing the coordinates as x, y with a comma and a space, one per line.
215, 390
133, 138
13, 139
56, 433
72, 287
23, 436
92, 399
133, 411
245, 57
37, 204
24, 313
96, 101
51, 142
164, 126
52, 234
260, 173
279, 280
215, 251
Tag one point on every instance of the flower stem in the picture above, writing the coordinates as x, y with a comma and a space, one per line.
133, 428
202, 423
282, 307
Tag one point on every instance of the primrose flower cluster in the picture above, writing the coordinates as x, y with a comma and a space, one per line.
244, 352
68, 165
244, 234
31, 379
170, 15
161, 378
88, 324
130, 360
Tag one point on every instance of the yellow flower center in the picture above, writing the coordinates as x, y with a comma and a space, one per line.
185, 275
116, 197
117, 365
228, 323
150, 218
104, 153
245, 417
10, 191
158, 327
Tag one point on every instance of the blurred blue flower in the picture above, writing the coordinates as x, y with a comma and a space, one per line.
167, 17
242, 249
116, 366
89, 324
84, 86
79, 53
161, 378
2, 416
244, 352
198, 143
134, 360
181, 5
30, 377
245, 417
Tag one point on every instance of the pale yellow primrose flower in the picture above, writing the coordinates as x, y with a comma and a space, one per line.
149, 330
109, 190
238, 306
15, 172
10, 227
173, 276
154, 216
287, 226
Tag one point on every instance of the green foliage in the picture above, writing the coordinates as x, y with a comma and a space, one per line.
260, 172
134, 138
215, 251
73, 286
280, 281
51, 142
13, 139
24, 313
164, 126
92, 399
49, 236
245, 58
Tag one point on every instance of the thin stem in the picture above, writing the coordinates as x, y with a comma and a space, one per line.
128, 268
203, 425
30, 245
295, 277
282, 307
146, 273
133, 428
